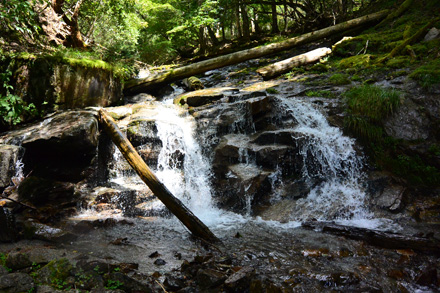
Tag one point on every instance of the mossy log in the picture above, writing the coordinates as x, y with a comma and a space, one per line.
143, 85
398, 12
413, 39
175, 206
284, 66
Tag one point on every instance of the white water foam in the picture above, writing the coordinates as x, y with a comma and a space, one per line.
329, 157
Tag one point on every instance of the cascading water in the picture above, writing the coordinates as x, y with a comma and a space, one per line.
329, 158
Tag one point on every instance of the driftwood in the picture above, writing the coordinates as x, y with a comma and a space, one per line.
284, 66
175, 206
378, 238
142, 85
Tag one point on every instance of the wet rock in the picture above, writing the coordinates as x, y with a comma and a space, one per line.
209, 278
408, 123
160, 262
18, 261
47, 233
16, 283
41, 192
128, 284
429, 276
385, 193
9, 155
173, 283
3, 271
240, 281
202, 97
8, 231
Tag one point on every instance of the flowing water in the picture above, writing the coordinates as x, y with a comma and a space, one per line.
307, 260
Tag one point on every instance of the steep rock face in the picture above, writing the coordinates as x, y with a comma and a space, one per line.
60, 147
52, 84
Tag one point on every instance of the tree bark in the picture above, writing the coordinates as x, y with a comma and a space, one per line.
196, 227
284, 66
275, 29
143, 85
378, 238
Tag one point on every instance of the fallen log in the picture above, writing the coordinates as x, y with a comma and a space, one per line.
143, 85
175, 206
378, 238
284, 66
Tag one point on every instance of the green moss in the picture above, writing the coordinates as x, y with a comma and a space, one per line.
359, 61
339, 79
399, 62
321, 93
415, 170
427, 75
272, 91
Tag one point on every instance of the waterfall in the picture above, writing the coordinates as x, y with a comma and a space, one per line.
329, 158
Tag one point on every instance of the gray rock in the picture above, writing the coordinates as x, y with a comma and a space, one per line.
408, 123
17, 261
209, 278
3, 271
432, 34
9, 155
240, 281
16, 282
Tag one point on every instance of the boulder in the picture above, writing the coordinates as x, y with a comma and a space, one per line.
17, 261
209, 278
9, 156
63, 146
16, 283
42, 192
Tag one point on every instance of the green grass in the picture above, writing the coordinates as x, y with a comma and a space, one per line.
367, 106
339, 79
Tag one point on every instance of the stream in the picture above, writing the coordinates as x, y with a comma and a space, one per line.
265, 168
294, 258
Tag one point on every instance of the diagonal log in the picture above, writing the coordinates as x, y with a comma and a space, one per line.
284, 66
143, 85
175, 206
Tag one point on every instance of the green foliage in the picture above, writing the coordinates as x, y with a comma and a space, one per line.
12, 107
18, 17
367, 106
114, 285
339, 79
415, 170
427, 75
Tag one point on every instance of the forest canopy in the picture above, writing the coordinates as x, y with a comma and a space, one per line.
158, 31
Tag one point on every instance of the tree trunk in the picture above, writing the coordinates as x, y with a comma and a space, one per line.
237, 19
284, 66
275, 29
245, 18
142, 85
378, 238
175, 206
402, 8
212, 36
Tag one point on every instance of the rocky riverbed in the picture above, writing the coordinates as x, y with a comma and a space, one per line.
75, 224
